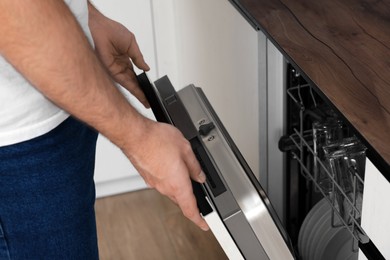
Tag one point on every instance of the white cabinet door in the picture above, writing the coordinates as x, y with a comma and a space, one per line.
376, 209
217, 50
114, 173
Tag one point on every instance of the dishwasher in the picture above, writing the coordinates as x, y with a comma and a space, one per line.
323, 207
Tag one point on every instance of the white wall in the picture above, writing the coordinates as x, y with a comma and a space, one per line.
164, 18
114, 173
217, 50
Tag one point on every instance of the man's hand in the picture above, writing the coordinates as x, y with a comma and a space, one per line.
117, 49
161, 154
165, 160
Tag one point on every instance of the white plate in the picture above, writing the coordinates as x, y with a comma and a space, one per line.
319, 227
353, 256
335, 244
312, 229
303, 231
322, 237
345, 251
328, 233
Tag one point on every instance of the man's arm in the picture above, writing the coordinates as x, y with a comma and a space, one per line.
44, 42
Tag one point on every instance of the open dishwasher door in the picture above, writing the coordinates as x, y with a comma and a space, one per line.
232, 200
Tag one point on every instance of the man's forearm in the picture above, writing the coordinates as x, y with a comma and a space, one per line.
43, 40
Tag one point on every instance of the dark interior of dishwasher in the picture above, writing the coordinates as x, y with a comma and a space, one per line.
301, 195
306, 105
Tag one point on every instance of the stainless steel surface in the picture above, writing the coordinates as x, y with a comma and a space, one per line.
263, 112
276, 127
253, 208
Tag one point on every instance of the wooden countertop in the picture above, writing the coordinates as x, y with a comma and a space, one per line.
343, 47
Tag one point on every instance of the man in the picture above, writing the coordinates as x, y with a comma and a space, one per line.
49, 70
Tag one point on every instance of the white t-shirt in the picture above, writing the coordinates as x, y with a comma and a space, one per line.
24, 112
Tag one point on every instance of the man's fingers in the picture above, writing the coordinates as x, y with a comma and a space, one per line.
129, 81
136, 56
187, 203
194, 168
173, 199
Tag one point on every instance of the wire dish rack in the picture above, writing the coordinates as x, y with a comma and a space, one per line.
300, 144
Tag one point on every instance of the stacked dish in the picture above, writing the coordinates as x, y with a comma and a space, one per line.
318, 240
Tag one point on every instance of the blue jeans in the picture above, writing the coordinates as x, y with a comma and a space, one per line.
47, 195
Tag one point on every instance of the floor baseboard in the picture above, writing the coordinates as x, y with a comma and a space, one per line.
119, 186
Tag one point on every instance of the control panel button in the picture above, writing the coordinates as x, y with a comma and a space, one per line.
205, 129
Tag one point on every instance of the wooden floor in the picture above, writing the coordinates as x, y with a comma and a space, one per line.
145, 225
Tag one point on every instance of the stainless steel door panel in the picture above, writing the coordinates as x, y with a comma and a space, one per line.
252, 206
244, 237
244, 216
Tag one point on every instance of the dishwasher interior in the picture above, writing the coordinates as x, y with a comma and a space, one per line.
325, 178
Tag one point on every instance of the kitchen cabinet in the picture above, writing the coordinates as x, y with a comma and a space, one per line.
218, 50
